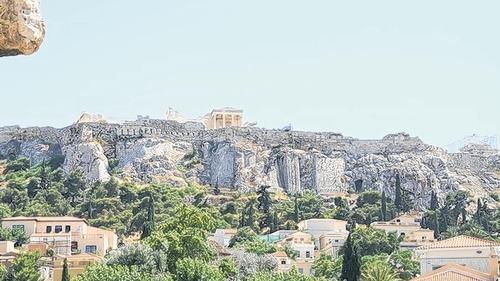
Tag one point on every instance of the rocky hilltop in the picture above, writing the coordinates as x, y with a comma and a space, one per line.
245, 157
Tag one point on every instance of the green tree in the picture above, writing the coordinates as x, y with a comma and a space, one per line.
149, 224
370, 241
436, 225
141, 257
293, 275
434, 205
184, 235
65, 272
264, 206
378, 271
196, 270
351, 261
249, 214
296, 213
384, 207
228, 268
328, 267
405, 264
74, 186
102, 272
21, 164
25, 268
242, 236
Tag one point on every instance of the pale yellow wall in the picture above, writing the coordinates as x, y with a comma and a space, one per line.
399, 229
420, 235
29, 225
80, 232
6, 247
303, 266
76, 226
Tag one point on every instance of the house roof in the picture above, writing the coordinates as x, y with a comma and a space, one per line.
454, 272
461, 241
324, 220
45, 219
230, 231
280, 254
227, 109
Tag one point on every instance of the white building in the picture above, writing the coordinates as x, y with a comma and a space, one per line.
335, 229
223, 236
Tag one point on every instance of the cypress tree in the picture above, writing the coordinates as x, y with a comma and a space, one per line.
250, 214
444, 219
149, 224
436, 225
351, 263
275, 225
398, 200
44, 176
242, 217
434, 201
384, 207
296, 215
479, 210
65, 272
264, 200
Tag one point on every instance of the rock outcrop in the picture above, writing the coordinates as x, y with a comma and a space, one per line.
245, 158
21, 27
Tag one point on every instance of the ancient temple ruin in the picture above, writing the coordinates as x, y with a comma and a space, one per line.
224, 118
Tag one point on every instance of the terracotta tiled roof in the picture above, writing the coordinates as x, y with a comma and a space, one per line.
230, 231
454, 272
462, 241
280, 254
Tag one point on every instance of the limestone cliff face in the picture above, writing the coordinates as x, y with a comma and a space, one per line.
245, 158
88, 157
21, 27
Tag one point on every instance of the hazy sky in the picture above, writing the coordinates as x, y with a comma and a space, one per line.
361, 68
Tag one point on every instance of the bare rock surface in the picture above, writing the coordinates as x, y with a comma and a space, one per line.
21, 27
244, 158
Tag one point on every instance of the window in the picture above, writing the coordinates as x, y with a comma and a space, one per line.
18, 227
74, 246
67, 228
398, 220
308, 254
91, 249
283, 261
58, 228
48, 228
301, 270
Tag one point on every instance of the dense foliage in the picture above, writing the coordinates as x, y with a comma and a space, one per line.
174, 224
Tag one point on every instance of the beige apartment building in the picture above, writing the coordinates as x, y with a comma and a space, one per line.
303, 244
475, 253
407, 226
64, 235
